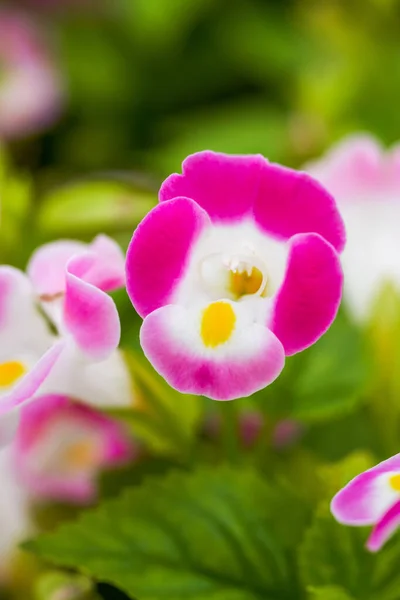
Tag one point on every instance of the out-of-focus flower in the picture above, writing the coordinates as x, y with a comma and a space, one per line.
61, 446
365, 180
286, 433
103, 383
31, 92
33, 360
28, 352
250, 425
15, 522
372, 498
236, 267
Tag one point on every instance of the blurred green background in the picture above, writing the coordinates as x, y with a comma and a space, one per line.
150, 81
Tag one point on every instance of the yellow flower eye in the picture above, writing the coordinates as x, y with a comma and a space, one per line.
82, 454
10, 372
217, 324
394, 481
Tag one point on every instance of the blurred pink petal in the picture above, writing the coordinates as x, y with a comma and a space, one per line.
365, 180
104, 267
90, 315
31, 90
251, 425
28, 351
286, 433
62, 446
70, 279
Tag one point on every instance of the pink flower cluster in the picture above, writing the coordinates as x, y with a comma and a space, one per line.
47, 373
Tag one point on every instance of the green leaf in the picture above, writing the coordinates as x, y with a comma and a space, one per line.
86, 207
334, 555
327, 380
216, 534
165, 419
328, 593
335, 376
157, 25
57, 585
16, 198
383, 333
382, 340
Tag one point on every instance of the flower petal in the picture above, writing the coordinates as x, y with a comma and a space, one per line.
289, 202
365, 180
62, 445
104, 384
248, 361
225, 186
358, 167
385, 528
282, 201
104, 267
47, 266
160, 250
31, 383
108, 271
90, 315
31, 94
9, 423
23, 330
309, 298
367, 497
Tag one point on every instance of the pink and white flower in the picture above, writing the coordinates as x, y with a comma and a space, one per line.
103, 383
365, 180
62, 446
31, 93
236, 267
33, 359
372, 498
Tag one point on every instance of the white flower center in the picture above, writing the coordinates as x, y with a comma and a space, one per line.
233, 262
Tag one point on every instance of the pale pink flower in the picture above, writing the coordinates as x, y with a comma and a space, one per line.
31, 88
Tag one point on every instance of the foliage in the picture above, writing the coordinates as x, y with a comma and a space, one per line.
155, 541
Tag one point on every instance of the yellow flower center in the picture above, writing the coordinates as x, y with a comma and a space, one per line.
394, 481
234, 276
217, 324
244, 283
81, 454
10, 372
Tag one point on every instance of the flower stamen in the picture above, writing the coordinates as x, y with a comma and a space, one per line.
234, 276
